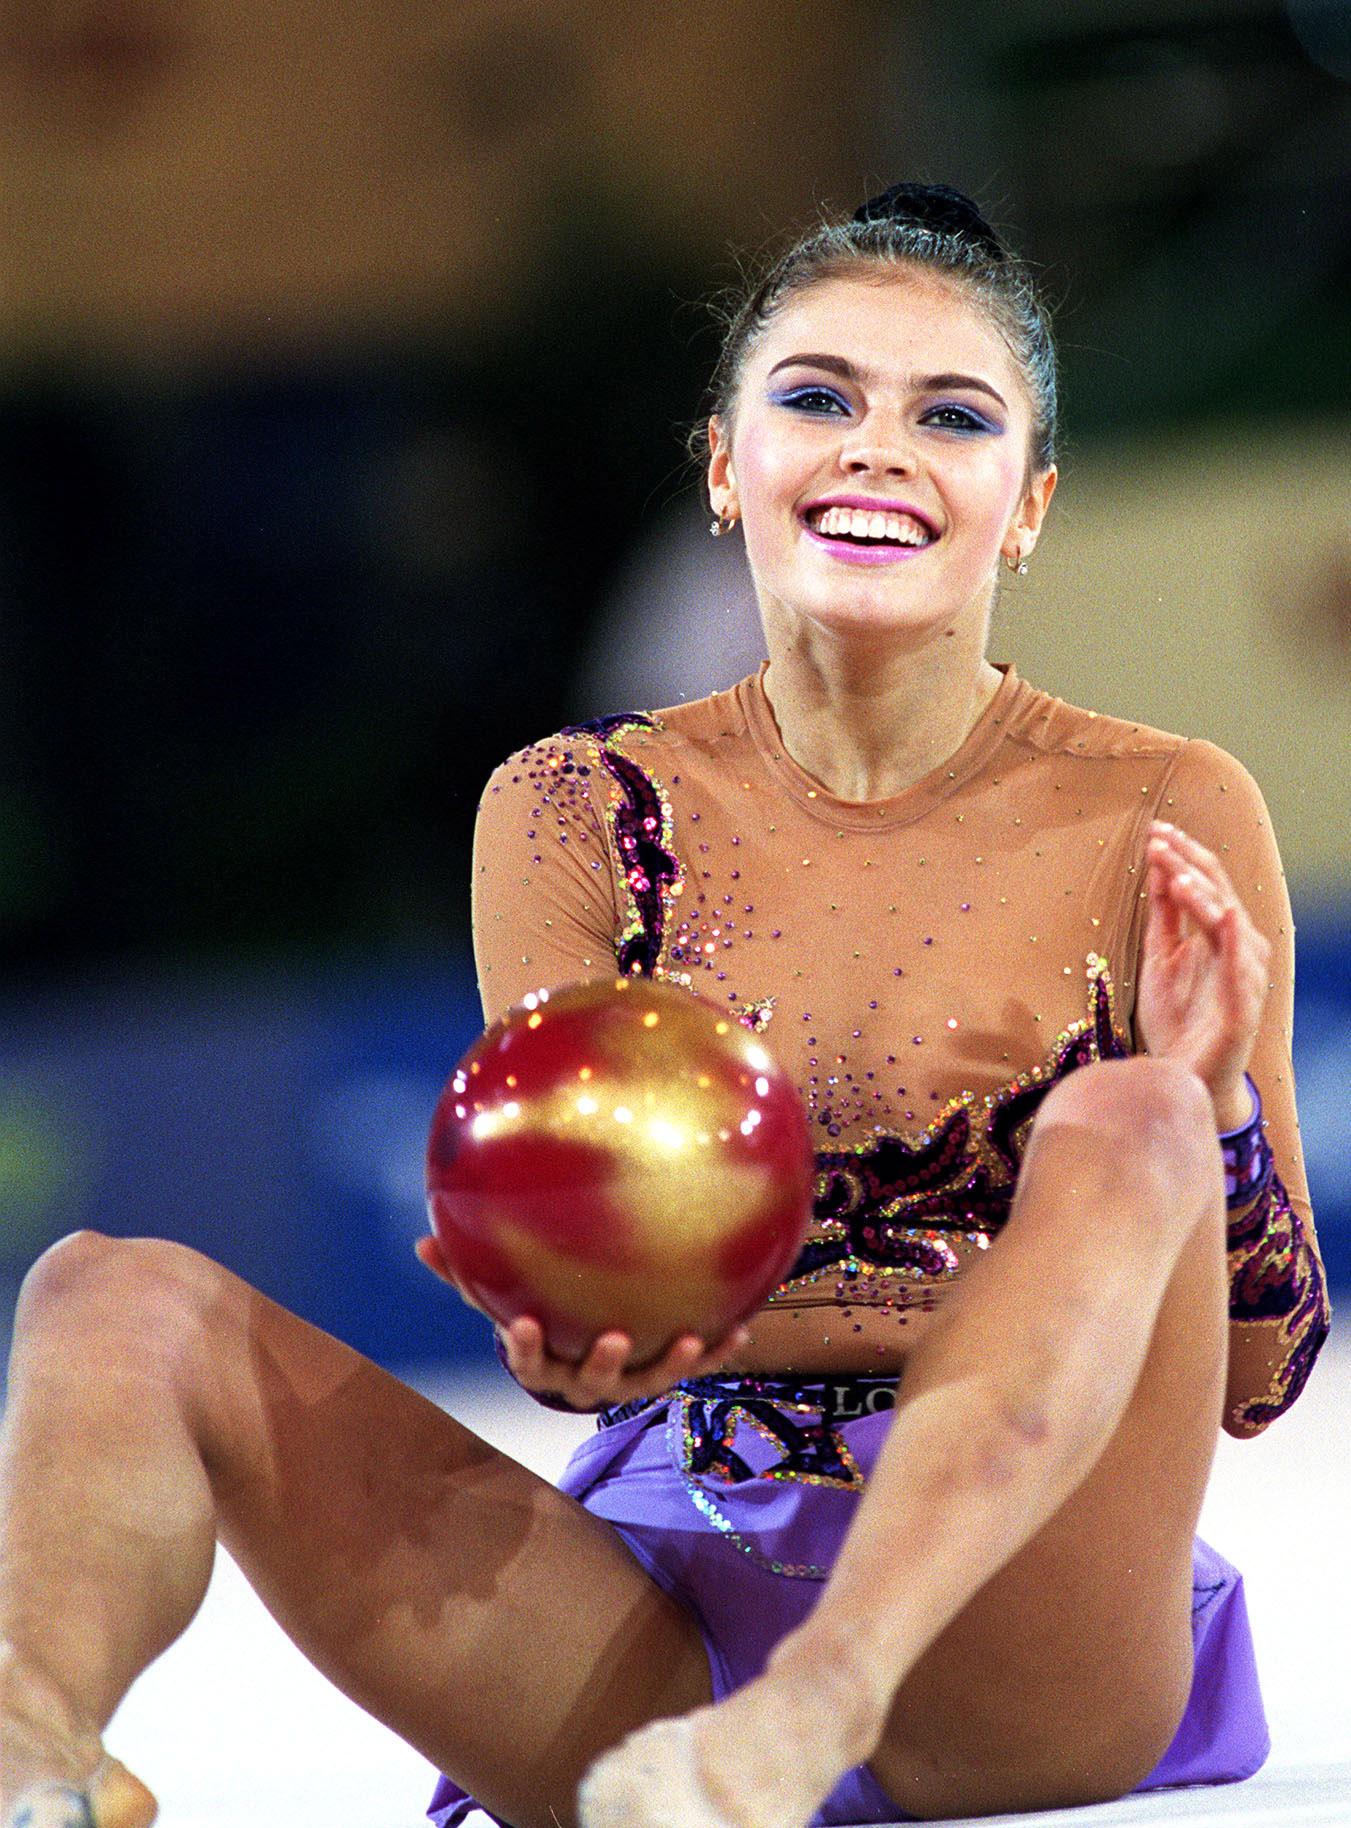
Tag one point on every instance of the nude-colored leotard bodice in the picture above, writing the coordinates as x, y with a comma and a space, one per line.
923, 967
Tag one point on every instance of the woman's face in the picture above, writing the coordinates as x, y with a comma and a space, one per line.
877, 457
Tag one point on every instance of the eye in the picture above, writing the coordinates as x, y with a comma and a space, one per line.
819, 401
953, 418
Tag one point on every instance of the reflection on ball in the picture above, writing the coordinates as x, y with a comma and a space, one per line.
619, 1154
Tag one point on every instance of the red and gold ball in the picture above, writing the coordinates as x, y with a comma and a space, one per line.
620, 1154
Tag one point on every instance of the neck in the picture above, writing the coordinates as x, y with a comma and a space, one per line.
868, 724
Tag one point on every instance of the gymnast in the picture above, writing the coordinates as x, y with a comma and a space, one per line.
920, 1539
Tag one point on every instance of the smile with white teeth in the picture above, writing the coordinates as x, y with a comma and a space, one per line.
872, 524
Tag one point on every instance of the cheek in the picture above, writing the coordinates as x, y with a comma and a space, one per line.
993, 491
764, 466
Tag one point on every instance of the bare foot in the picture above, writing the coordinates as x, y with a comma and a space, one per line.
112, 1798
650, 1780
766, 1757
770, 1754
54, 1772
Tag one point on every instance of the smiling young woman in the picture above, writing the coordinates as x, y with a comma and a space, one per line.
877, 456
920, 1539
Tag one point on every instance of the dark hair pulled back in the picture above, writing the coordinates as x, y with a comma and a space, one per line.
919, 225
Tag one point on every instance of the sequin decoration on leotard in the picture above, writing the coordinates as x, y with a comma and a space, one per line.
640, 819
717, 1433
728, 1436
1273, 1274
886, 1208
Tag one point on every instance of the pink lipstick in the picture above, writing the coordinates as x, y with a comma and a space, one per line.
853, 554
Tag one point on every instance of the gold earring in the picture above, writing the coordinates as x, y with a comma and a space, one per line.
1016, 563
720, 524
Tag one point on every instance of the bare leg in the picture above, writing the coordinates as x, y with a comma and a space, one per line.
1061, 1417
157, 1401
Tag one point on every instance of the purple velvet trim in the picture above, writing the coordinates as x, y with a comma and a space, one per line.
1248, 1164
1274, 1274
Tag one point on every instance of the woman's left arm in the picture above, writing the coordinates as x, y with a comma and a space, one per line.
1278, 1304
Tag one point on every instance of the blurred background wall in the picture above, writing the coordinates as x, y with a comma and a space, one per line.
345, 361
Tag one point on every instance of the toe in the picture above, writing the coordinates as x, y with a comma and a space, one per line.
120, 1800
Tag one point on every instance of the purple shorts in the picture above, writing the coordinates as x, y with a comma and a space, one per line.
736, 1499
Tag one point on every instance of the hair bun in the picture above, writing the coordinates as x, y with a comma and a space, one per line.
937, 207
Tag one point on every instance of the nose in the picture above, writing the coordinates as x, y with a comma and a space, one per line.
880, 446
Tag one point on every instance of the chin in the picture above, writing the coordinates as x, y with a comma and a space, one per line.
870, 606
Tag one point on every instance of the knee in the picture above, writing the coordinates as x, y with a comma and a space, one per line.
1154, 1119
90, 1287
64, 1272
1116, 1752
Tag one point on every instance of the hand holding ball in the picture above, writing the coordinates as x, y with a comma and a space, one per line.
619, 1155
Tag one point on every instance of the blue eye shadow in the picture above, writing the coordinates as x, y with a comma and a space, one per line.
798, 396
976, 422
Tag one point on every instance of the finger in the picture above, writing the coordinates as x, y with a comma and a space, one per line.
1206, 863
1203, 865
524, 1343
1237, 985
609, 1354
1244, 955
1213, 904
680, 1359
1198, 897
1163, 925
113, 1798
428, 1253
1200, 858
687, 1355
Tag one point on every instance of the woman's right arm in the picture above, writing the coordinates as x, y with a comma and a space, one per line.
543, 894
545, 913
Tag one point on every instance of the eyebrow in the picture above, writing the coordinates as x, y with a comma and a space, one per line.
928, 383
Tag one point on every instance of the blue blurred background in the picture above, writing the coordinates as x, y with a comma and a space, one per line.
344, 372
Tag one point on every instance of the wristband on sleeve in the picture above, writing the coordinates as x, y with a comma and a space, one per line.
1247, 1156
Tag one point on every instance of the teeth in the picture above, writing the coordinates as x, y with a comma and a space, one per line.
870, 524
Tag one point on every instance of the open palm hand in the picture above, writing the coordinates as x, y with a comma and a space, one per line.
1203, 975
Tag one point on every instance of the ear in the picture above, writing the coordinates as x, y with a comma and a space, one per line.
722, 493
1025, 526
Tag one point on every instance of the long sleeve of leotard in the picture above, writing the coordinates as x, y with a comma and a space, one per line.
1278, 1302
543, 892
